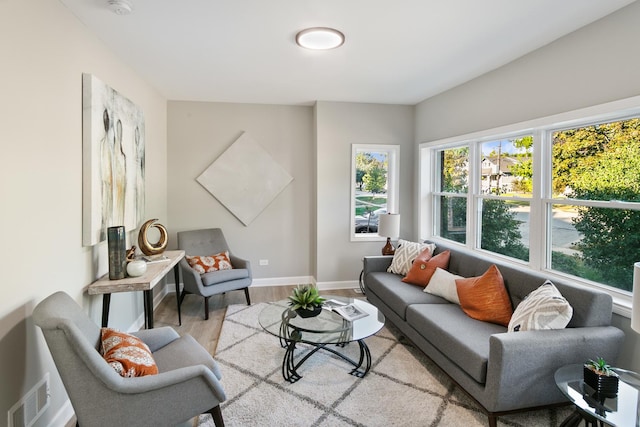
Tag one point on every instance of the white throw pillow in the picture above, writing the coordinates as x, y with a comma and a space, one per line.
544, 308
443, 284
404, 255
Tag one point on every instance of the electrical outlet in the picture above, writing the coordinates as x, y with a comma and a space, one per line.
264, 262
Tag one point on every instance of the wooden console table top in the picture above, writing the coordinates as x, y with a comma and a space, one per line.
155, 272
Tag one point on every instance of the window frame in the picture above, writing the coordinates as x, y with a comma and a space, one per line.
393, 186
541, 201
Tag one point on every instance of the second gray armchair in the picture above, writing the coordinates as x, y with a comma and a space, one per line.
207, 242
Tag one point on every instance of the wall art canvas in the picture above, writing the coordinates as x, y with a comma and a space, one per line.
113, 141
245, 179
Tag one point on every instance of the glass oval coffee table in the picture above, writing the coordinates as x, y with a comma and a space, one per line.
621, 410
323, 332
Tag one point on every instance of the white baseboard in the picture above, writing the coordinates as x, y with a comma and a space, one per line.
64, 417
347, 284
283, 281
273, 281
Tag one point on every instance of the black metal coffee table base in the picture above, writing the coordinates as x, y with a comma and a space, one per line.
290, 367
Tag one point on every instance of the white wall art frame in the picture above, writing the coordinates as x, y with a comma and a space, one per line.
245, 179
113, 161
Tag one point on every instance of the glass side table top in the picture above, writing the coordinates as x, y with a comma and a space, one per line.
326, 328
619, 411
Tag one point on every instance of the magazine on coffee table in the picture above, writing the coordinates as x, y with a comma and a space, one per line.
349, 311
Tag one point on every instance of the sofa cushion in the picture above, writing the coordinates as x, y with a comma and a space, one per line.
406, 253
590, 307
398, 295
422, 270
485, 297
465, 341
544, 308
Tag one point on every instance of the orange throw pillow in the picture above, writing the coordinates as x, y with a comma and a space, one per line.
485, 297
207, 264
423, 268
127, 354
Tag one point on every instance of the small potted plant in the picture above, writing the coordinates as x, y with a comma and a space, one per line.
601, 377
306, 301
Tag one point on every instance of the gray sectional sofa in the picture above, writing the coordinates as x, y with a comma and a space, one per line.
503, 371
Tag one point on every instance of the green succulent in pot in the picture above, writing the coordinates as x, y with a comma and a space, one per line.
600, 367
305, 297
601, 377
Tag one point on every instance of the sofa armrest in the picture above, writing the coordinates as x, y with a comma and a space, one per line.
522, 365
376, 263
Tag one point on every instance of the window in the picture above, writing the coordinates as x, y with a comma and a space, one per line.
505, 175
453, 167
595, 214
374, 188
575, 187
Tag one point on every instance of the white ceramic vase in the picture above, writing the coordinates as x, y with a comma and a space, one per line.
136, 268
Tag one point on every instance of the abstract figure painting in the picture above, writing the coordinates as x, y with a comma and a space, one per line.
113, 161
245, 179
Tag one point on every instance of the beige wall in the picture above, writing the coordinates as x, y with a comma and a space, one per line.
198, 133
299, 240
591, 66
338, 125
45, 50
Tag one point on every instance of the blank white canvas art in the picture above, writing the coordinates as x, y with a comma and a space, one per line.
245, 179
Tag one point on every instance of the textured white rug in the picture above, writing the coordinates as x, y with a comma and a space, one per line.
403, 388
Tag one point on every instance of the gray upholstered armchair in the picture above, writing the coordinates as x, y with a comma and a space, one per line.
187, 383
205, 243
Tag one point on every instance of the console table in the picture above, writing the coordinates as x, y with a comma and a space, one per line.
156, 271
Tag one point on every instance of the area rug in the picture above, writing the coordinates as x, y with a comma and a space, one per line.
403, 387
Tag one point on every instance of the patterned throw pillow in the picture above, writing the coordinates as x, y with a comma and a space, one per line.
406, 253
485, 297
127, 354
422, 270
443, 284
544, 308
207, 264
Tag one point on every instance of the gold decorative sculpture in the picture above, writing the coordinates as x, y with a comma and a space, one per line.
152, 248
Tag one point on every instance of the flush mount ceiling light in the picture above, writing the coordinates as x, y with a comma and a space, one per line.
320, 38
120, 7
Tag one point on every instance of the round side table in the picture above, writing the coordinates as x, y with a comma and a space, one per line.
620, 411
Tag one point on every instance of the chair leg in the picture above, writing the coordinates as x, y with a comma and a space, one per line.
216, 413
206, 308
246, 294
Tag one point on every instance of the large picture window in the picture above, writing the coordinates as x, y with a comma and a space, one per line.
562, 199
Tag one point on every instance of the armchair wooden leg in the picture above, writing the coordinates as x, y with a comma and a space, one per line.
206, 308
216, 413
246, 294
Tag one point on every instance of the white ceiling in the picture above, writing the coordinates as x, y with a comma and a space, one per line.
396, 52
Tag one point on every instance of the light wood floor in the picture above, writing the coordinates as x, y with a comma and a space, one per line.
207, 332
